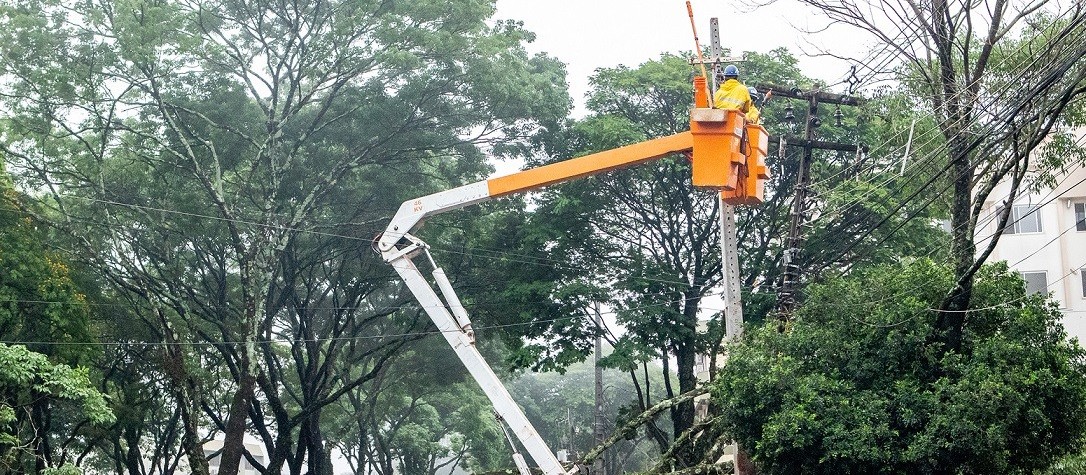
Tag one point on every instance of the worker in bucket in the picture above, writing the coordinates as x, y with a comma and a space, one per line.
732, 94
753, 115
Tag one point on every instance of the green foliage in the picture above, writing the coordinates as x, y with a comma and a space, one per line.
869, 226
858, 386
530, 294
39, 301
562, 408
1074, 463
29, 378
43, 306
648, 242
591, 224
66, 469
867, 211
25, 370
1045, 40
419, 417
224, 164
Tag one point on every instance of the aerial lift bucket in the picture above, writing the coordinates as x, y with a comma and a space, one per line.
718, 135
717, 156
753, 173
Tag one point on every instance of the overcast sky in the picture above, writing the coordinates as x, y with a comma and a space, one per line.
588, 34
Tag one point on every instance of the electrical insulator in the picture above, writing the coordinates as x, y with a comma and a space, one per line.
837, 115
816, 122
789, 114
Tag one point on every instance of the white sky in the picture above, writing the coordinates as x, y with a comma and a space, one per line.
588, 34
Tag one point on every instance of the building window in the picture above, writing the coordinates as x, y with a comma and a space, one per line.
1036, 282
1080, 216
1082, 277
1024, 219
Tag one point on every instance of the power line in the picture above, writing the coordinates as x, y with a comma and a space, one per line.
501, 255
899, 295
1021, 67
505, 255
274, 226
351, 338
924, 187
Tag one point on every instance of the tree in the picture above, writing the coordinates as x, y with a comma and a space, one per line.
544, 395
145, 439
44, 309
865, 211
40, 303
420, 415
855, 387
1073, 463
648, 243
28, 378
995, 98
645, 234
222, 164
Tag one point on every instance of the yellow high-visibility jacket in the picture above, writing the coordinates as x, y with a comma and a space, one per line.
733, 95
753, 114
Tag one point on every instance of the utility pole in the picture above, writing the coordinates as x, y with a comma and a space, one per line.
598, 419
729, 248
786, 299
572, 433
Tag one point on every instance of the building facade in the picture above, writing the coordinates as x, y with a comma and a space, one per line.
1045, 240
212, 449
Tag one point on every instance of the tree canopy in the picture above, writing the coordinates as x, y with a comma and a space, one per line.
223, 166
29, 379
185, 242
45, 395
645, 242
998, 79
855, 385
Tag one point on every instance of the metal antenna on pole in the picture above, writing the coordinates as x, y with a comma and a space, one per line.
716, 59
716, 50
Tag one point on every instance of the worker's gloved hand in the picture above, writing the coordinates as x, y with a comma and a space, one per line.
753, 115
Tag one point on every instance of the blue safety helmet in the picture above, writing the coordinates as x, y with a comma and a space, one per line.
731, 71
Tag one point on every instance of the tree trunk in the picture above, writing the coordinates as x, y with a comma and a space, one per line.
684, 412
280, 453
743, 464
256, 277
951, 320
39, 417
319, 459
184, 390
132, 458
234, 438
685, 358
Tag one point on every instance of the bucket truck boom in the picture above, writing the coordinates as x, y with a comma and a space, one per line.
714, 145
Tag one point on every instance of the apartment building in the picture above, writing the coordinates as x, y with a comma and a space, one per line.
1046, 242
212, 448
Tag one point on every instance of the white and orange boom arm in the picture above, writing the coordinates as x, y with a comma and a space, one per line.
714, 141
413, 211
